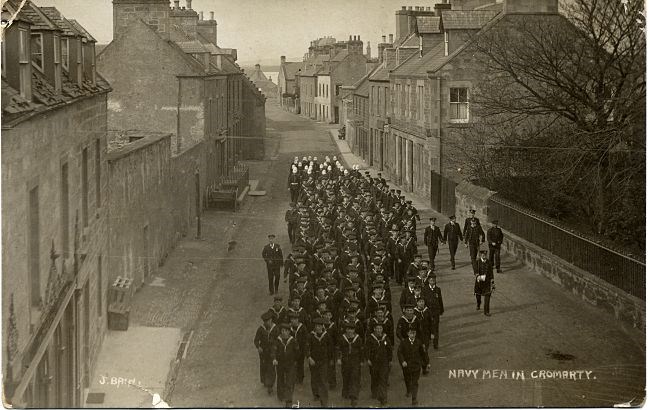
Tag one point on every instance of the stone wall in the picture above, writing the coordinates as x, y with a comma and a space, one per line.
589, 288
154, 200
34, 153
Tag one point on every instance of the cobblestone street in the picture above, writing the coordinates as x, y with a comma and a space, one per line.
218, 296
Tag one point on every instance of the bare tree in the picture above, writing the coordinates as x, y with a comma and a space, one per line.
563, 97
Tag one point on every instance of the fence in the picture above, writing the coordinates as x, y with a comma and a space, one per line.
237, 178
620, 270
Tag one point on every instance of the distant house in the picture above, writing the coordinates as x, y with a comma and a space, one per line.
287, 87
170, 76
268, 87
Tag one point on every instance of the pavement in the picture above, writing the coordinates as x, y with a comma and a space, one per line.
214, 289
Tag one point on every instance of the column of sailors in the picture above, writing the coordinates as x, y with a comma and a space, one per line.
352, 236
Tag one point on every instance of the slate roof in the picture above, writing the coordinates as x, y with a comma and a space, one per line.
466, 19
82, 30
418, 66
381, 74
341, 55
411, 41
362, 87
428, 24
62, 23
290, 70
38, 19
192, 47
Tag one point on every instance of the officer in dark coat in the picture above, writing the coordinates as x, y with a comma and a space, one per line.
452, 235
483, 283
495, 239
432, 237
285, 352
291, 218
433, 299
320, 353
294, 184
264, 339
412, 357
474, 237
469, 220
379, 353
272, 255
350, 353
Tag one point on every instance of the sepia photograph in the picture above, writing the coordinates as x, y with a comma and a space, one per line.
325, 204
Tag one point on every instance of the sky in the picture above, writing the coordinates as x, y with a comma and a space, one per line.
263, 30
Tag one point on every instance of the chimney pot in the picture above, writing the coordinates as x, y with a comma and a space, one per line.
403, 7
383, 39
410, 7
428, 8
350, 38
200, 15
189, 4
212, 15
177, 4
390, 38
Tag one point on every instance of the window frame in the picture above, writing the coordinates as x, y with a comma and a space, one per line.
33, 53
65, 58
446, 42
458, 104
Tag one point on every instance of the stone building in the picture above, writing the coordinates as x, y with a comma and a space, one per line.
328, 66
266, 84
54, 216
287, 88
195, 90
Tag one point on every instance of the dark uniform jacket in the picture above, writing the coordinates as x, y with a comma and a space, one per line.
433, 299
432, 236
285, 352
320, 348
468, 223
495, 235
273, 255
379, 350
265, 338
483, 287
413, 353
387, 324
403, 326
452, 233
474, 235
350, 350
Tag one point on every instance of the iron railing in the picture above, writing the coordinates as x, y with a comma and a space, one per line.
623, 271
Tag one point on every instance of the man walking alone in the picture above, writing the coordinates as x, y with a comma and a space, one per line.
272, 255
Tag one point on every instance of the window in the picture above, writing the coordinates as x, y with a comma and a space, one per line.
446, 42
84, 187
37, 50
34, 248
98, 173
458, 105
24, 61
65, 211
420, 102
408, 101
65, 53
57, 50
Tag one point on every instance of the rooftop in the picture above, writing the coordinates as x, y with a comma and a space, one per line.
466, 19
418, 66
428, 24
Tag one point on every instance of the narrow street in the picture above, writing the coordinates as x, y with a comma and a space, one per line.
219, 295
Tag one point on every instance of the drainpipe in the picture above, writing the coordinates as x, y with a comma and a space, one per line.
178, 119
439, 101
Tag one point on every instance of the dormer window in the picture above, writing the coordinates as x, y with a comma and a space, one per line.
37, 51
65, 53
24, 61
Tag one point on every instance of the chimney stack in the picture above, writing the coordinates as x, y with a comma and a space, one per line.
189, 4
283, 59
212, 15
390, 38
177, 4
200, 15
